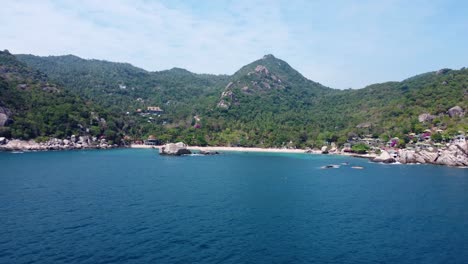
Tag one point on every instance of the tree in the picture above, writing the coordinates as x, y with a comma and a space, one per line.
360, 148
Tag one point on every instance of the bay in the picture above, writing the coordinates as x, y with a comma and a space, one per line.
134, 206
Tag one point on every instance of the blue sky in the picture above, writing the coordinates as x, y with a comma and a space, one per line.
340, 44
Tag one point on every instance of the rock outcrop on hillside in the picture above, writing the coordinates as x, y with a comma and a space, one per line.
5, 114
175, 149
364, 125
425, 117
456, 111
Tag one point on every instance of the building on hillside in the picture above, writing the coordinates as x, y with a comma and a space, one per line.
422, 146
393, 142
152, 141
367, 141
373, 141
154, 109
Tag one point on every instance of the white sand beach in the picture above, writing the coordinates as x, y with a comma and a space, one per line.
229, 149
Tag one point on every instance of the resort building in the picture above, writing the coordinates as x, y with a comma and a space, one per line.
421, 146
152, 141
154, 109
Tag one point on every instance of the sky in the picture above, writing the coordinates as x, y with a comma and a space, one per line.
341, 44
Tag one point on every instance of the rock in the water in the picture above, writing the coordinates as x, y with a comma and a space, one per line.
384, 157
324, 150
406, 156
176, 149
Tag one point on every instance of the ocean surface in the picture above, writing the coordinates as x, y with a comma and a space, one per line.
133, 206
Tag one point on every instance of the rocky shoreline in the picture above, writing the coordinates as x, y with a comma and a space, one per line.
82, 142
454, 155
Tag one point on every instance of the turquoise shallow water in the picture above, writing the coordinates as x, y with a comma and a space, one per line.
133, 206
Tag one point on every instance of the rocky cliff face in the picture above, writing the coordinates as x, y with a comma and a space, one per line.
268, 76
260, 80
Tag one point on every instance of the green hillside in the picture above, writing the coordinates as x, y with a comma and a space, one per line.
118, 85
266, 103
34, 107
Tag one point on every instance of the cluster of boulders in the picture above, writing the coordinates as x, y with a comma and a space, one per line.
455, 154
455, 111
74, 142
332, 149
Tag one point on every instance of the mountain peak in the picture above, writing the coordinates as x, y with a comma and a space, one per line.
179, 70
268, 56
268, 77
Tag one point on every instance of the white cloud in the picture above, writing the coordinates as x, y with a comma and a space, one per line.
149, 35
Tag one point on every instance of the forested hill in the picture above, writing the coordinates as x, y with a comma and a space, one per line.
265, 103
398, 108
32, 106
118, 85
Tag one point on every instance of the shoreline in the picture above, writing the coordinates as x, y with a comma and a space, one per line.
256, 149
228, 149
407, 157
371, 157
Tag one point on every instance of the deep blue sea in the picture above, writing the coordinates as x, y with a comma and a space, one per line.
133, 206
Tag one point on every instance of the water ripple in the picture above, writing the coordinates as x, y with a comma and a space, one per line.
127, 206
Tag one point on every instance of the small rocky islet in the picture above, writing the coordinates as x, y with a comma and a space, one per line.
179, 149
